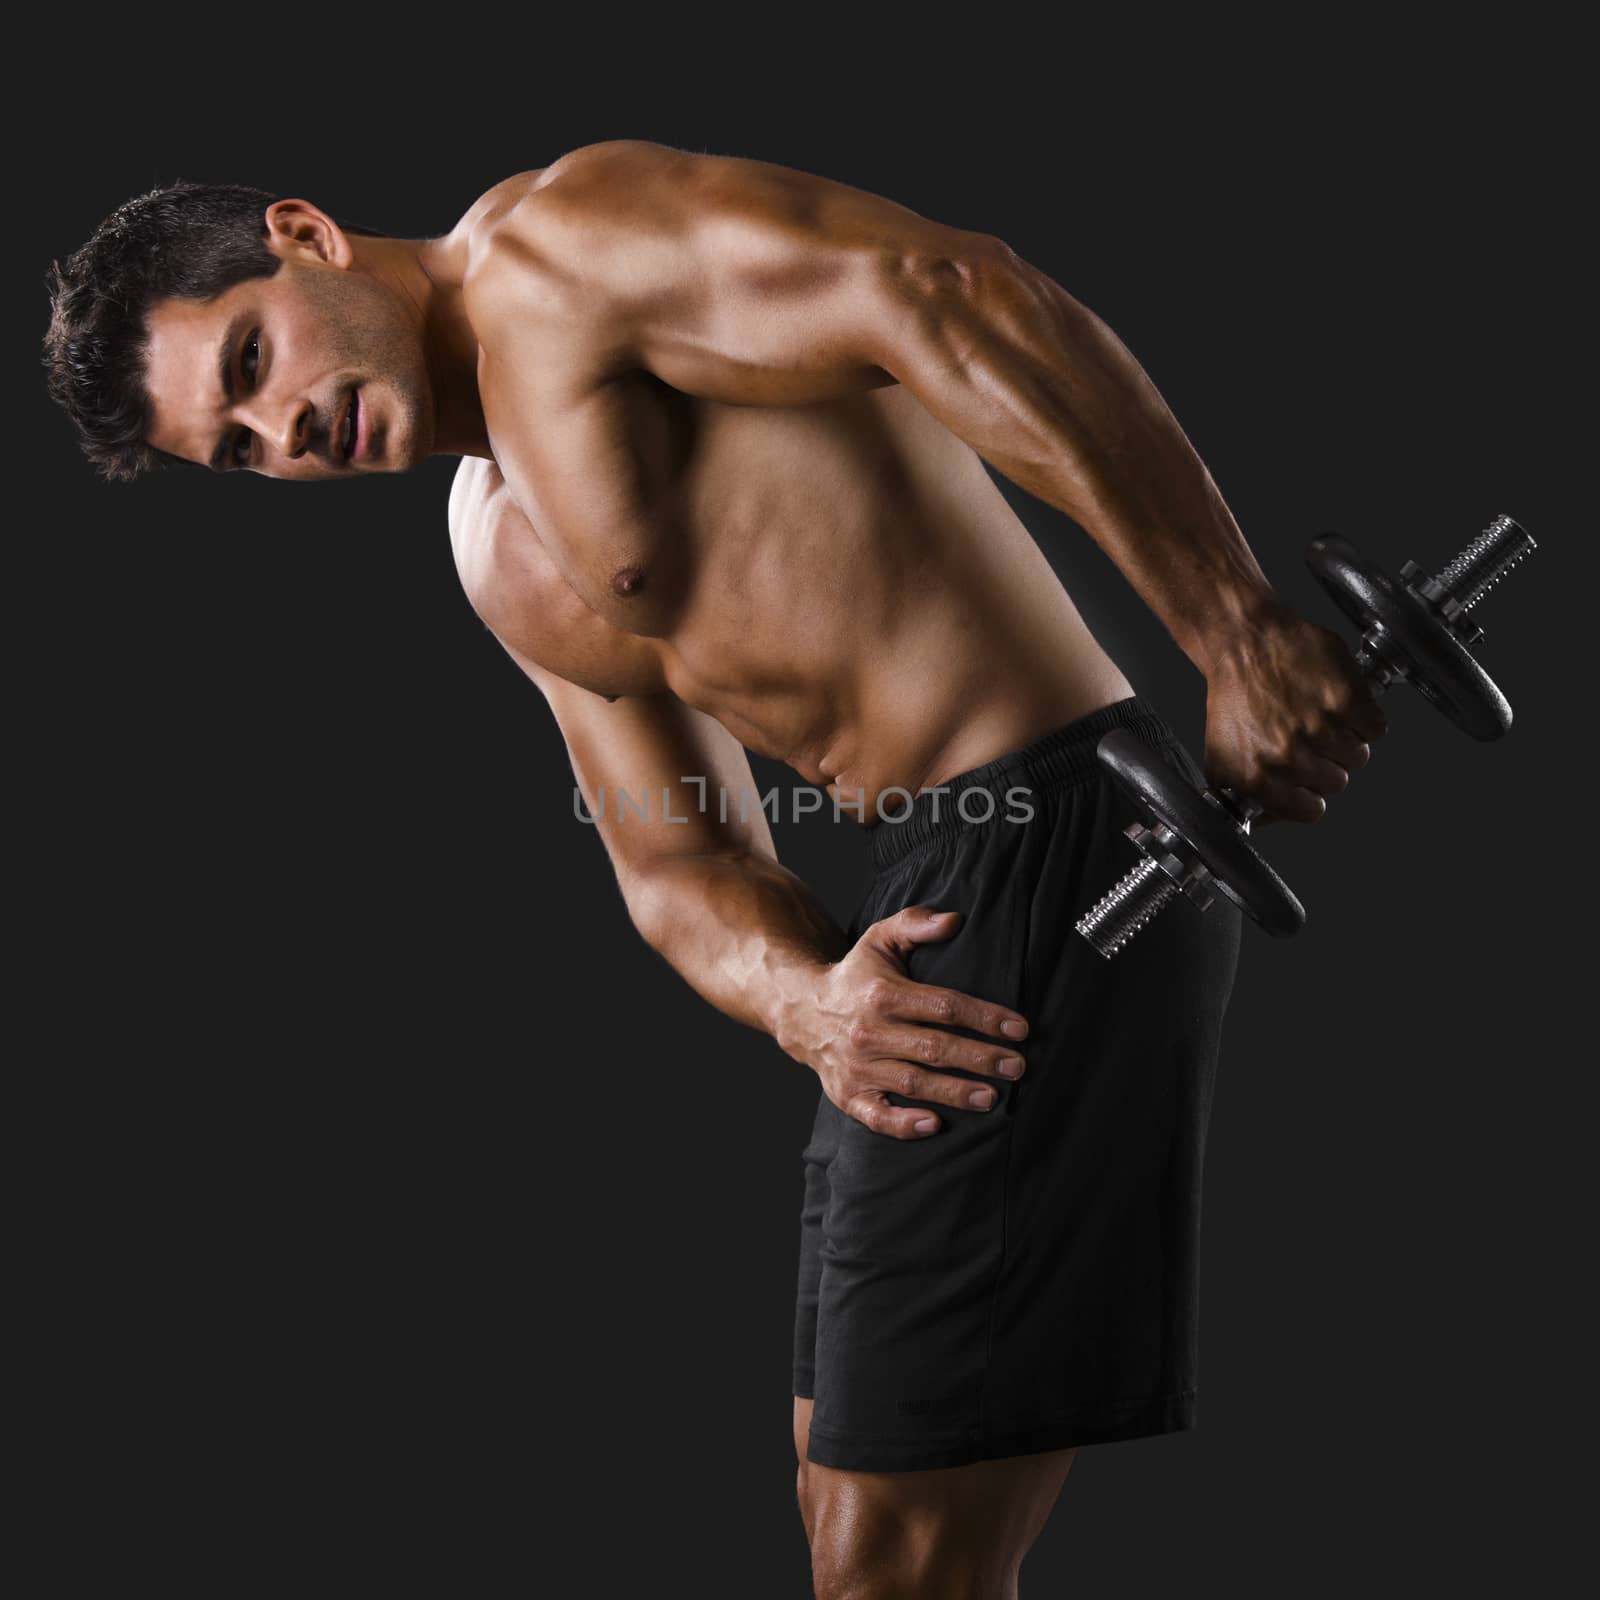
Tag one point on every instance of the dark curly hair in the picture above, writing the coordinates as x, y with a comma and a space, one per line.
188, 240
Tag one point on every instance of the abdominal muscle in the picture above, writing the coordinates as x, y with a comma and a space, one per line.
865, 605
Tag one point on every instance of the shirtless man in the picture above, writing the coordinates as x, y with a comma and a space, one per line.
723, 427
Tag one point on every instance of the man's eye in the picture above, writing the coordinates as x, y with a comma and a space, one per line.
251, 356
241, 450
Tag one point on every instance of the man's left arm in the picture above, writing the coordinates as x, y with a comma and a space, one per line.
756, 284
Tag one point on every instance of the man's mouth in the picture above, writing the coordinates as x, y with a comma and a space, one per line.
351, 430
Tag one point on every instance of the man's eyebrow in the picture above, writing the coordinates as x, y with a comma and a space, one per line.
225, 378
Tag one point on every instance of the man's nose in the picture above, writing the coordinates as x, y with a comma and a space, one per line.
285, 426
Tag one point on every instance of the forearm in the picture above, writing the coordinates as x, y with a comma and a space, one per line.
1045, 391
741, 929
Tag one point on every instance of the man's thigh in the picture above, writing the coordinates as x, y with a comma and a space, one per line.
1026, 1280
980, 1519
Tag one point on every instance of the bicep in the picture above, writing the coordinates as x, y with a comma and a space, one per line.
652, 772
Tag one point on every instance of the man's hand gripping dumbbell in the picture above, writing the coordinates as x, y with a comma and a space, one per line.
1419, 629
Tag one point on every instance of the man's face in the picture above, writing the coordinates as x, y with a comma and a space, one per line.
315, 372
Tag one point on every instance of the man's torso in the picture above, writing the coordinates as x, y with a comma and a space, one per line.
840, 584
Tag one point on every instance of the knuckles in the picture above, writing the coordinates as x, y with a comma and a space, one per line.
877, 994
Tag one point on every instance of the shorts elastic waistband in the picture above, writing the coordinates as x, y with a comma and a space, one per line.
1056, 760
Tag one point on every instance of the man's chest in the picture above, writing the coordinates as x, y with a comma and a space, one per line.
695, 541
600, 477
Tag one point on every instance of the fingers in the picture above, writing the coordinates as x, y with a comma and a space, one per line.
1286, 801
949, 1008
1341, 744
929, 1047
941, 1088
899, 1122
1318, 774
1323, 762
1348, 692
899, 934
1363, 713
874, 1109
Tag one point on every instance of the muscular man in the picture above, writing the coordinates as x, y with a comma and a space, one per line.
723, 427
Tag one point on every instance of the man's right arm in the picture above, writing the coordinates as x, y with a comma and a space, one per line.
747, 934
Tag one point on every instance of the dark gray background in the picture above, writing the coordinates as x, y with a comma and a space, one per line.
390, 1201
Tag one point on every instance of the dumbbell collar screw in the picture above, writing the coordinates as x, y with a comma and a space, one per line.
1431, 592
1169, 852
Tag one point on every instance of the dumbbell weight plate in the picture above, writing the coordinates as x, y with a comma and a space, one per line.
1443, 669
1241, 873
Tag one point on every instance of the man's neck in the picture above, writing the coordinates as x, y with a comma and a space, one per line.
427, 274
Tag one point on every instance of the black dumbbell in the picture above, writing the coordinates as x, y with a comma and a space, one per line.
1418, 629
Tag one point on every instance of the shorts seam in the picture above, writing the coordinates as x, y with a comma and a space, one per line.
1025, 912
1105, 1416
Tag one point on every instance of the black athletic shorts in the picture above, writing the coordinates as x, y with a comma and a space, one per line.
1027, 1277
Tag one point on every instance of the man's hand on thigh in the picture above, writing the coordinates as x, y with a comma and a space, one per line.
868, 1030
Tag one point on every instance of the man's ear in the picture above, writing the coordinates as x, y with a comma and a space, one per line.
298, 228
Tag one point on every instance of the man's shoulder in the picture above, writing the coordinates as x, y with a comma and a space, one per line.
575, 229
613, 181
602, 177
615, 157
582, 173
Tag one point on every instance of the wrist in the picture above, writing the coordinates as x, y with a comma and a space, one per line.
790, 1003
1233, 623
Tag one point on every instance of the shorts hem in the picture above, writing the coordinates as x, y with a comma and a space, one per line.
861, 1452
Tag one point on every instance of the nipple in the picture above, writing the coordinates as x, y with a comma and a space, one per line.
626, 581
